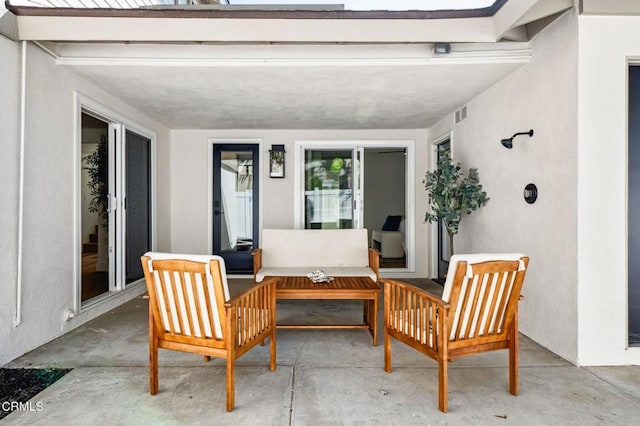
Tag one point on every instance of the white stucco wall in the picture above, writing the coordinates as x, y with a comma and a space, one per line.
190, 179
9, 166
541, 96
48, 283
606, 44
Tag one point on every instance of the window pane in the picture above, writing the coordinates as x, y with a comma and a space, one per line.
328, 189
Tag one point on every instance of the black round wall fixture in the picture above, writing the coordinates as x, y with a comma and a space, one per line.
530, 193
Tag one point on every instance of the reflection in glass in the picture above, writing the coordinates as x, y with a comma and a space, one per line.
328, 189
236, 179
94, 186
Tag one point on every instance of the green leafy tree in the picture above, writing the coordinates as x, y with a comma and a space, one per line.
452, 195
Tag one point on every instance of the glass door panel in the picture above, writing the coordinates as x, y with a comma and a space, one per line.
633, 206
444, 241
137, 203
236, 205
329, 189
94, 203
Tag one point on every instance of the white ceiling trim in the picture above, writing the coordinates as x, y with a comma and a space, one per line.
87, 29
452, 59
184, 55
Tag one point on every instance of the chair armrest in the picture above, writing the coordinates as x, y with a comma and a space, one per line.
405, 288
257, 261
374, 261
270, 285
252, 314
416, 316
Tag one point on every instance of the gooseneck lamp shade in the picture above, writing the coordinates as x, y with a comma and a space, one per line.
508, 143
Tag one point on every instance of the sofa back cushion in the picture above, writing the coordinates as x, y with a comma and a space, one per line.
315, 248
471, 259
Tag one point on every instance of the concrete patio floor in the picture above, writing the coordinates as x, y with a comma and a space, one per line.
323, 377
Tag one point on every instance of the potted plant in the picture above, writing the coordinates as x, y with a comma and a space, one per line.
452, 194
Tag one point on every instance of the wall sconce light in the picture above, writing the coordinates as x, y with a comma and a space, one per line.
508, 143
441, 48
276, 161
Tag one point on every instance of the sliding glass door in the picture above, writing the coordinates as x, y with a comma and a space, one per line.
115, 204
95, 277
358, 184
332, 196
137, 206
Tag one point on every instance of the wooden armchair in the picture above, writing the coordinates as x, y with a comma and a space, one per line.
190, 311
478, 312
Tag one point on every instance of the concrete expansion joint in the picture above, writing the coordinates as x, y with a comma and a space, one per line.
612, 384
293, 390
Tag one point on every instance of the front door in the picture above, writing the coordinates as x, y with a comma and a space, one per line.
235, 205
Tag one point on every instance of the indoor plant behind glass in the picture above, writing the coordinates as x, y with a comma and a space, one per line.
452, 195
98, 182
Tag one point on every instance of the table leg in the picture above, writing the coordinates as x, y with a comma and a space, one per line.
374, 319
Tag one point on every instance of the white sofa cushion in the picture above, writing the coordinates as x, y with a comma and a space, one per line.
471, 259
469, 284
176, 308
314, 248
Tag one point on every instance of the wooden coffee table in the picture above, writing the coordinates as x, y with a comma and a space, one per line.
358, 288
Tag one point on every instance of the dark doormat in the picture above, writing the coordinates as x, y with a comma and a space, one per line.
19, 385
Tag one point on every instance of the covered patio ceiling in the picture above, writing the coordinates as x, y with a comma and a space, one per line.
207, 69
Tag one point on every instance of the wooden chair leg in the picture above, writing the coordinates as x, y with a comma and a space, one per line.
387, 351
231, 380
207, 358
443, 384
513, 357
153, 357
272, 350
373, 319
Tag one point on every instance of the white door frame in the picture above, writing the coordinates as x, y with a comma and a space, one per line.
118, 125
410, 221
210, 173
433, 227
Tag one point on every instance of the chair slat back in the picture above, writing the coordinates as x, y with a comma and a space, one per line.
187, 296
483, 298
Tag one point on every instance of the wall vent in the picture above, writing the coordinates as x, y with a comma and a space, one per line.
461, 114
